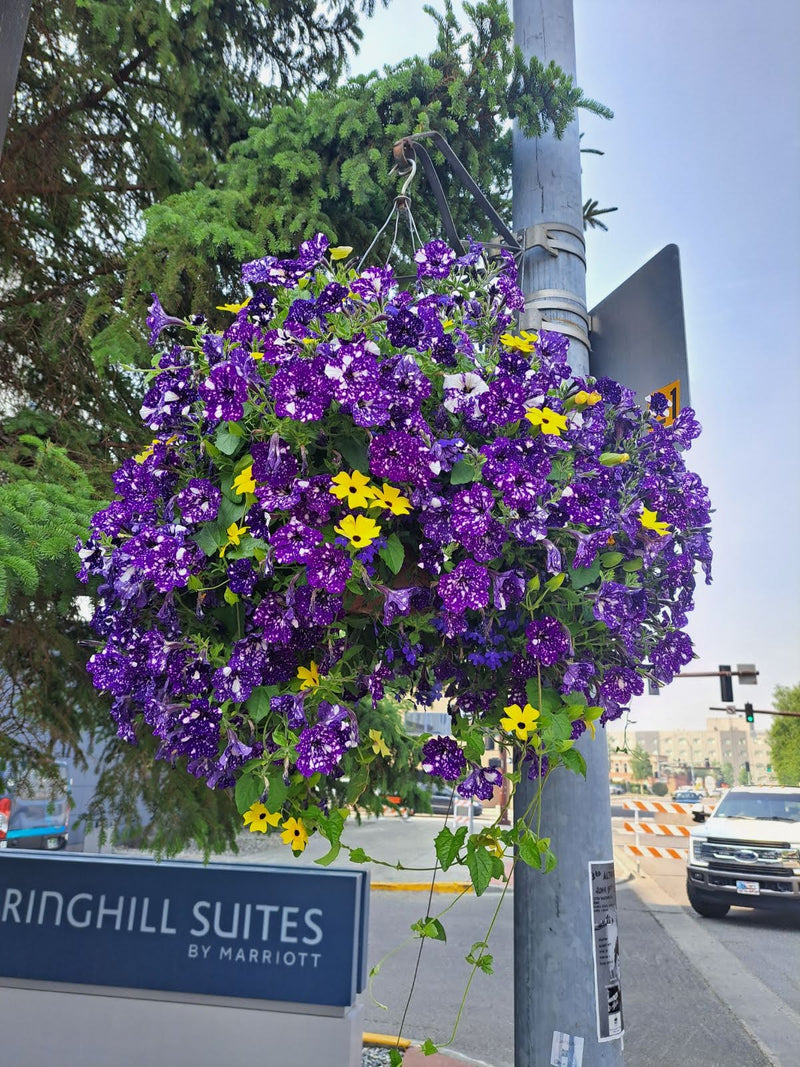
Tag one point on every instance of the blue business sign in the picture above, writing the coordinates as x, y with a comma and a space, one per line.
234, 930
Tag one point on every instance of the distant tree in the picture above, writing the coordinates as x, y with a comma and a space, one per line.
784, 736
641, 766
727, 773
744, 776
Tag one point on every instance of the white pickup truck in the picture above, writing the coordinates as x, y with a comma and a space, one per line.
747, 853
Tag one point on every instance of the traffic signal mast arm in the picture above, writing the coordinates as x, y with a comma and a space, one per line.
756, 711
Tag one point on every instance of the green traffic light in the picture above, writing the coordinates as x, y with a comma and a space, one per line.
749, 713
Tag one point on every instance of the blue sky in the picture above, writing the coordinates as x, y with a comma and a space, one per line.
703, 151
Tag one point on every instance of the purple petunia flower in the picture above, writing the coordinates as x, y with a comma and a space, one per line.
508, 587
294, 542
481, 782
199, 501
466, 586
224, 393
669, 655
620, 684
434, 260
396, 602
577, 676
548, 640
442, 757
374, 284
157, 320
299, 392
328, 568
319, 750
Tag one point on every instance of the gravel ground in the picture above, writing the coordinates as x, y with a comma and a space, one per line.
375, 1057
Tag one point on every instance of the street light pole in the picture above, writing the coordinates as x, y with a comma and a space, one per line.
555, 990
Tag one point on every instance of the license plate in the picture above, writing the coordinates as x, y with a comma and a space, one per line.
749, 888
3, 844
52, 842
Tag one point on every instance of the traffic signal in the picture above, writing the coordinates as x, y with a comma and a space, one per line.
725, 684
749, 713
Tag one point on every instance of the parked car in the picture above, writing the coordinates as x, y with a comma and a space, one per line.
616, 790
449, 803
747, 854
34, 817
687, 796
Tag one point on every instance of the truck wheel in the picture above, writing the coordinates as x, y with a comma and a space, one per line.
707, 908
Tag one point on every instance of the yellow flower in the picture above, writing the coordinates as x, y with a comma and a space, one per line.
295, 834
258, 818
523, 343
257, 355
243, 482
341, 251
354, 488
548, 420
379, 746
520, 721
146, 452
234, 307
235, 533
582, 397
649, 520
390, 498
309, 676
359, 530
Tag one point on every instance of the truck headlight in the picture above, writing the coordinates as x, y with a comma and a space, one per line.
696, 851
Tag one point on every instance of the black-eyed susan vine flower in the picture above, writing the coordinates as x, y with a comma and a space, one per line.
309, 676
258, 818
650, 521
520, 721
295, 834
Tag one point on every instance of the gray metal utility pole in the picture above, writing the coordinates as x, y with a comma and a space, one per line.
555, 986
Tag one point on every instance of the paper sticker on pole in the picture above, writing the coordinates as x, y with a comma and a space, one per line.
605, 948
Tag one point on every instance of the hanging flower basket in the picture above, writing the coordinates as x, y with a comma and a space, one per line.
358, 491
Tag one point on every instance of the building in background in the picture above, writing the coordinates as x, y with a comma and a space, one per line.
686, 757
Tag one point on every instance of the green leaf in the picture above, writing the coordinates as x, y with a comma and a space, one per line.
355, 452
574, 760
632, 565
429, 927
427, 1048
248, 791
228, 443
230, 597
556, 581
210, 538
358, 855
551, 700
258, 704
529, 851
330, 855
581, 576
475, 745
357, 785
574, 699
479, 865
448, 845
611, 559
393, 554
550, 862
277, 791
395, 1058
462, 472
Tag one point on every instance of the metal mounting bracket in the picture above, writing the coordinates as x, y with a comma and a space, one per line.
540, 235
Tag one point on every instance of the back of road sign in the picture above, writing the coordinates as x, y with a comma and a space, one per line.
638, 336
